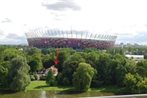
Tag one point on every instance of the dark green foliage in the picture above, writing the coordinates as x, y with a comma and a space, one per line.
34, 59
50, 79
18, 76
103, 68
3, 76
70, 65
11, 53
82, 77
142, 68
35, 63
63, 55
92, 58
47, 61
117, 69
112, 67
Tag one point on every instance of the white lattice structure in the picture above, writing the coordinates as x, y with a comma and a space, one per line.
73, 39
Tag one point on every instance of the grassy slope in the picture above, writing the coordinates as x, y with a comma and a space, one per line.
41, 85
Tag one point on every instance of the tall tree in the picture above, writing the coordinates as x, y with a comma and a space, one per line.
69, 67
82, 77
19, 77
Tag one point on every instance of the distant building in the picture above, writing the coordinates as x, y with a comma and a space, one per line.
135, 57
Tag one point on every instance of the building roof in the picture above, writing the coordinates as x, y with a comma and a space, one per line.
134, 56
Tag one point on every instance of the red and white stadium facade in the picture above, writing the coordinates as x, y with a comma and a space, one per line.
72, 39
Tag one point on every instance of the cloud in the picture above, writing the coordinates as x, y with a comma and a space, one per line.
139, 38
6, 20
15, 36
62, 5
13, 39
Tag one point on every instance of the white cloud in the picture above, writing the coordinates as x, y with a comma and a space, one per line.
126, 18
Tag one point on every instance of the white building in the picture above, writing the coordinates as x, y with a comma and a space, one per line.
135, 57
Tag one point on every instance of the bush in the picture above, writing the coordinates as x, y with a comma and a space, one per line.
32, 77
37, 77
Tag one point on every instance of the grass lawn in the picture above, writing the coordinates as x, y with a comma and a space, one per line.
41, 85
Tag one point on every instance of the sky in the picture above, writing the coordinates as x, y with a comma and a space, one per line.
125, 18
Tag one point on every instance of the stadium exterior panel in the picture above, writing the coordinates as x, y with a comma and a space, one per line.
72, 39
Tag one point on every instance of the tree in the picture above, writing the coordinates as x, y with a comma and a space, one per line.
34, 59
50, 79
135, 83
142, 85
19, 77
47, 60
103, 68
117, 69
83, 76
32, 51
92, 58
69, 67
130, 82
35, 63
142, 68
61, 58
10, 53
3, 76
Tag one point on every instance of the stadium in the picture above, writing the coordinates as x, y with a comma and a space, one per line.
72, 39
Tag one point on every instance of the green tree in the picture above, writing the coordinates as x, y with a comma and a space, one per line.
50, 79
34, 59
35, 63
142, 86
117, 69
69, 67
142, 68
130, 82
10, 53
3, 76
103, 68
83, 76
47, 60
135, 83
19, 77
32, 51
61, 58
92, 58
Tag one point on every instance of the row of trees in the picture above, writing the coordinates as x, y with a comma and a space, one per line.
109, 69
81, 69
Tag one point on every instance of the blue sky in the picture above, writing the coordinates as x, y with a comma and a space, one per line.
125, 18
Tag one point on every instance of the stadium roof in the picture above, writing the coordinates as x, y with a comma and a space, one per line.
51, 33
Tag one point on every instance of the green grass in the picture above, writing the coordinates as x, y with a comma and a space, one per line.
109, 89
41, 85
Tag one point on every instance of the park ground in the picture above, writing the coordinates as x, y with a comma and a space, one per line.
41, 85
